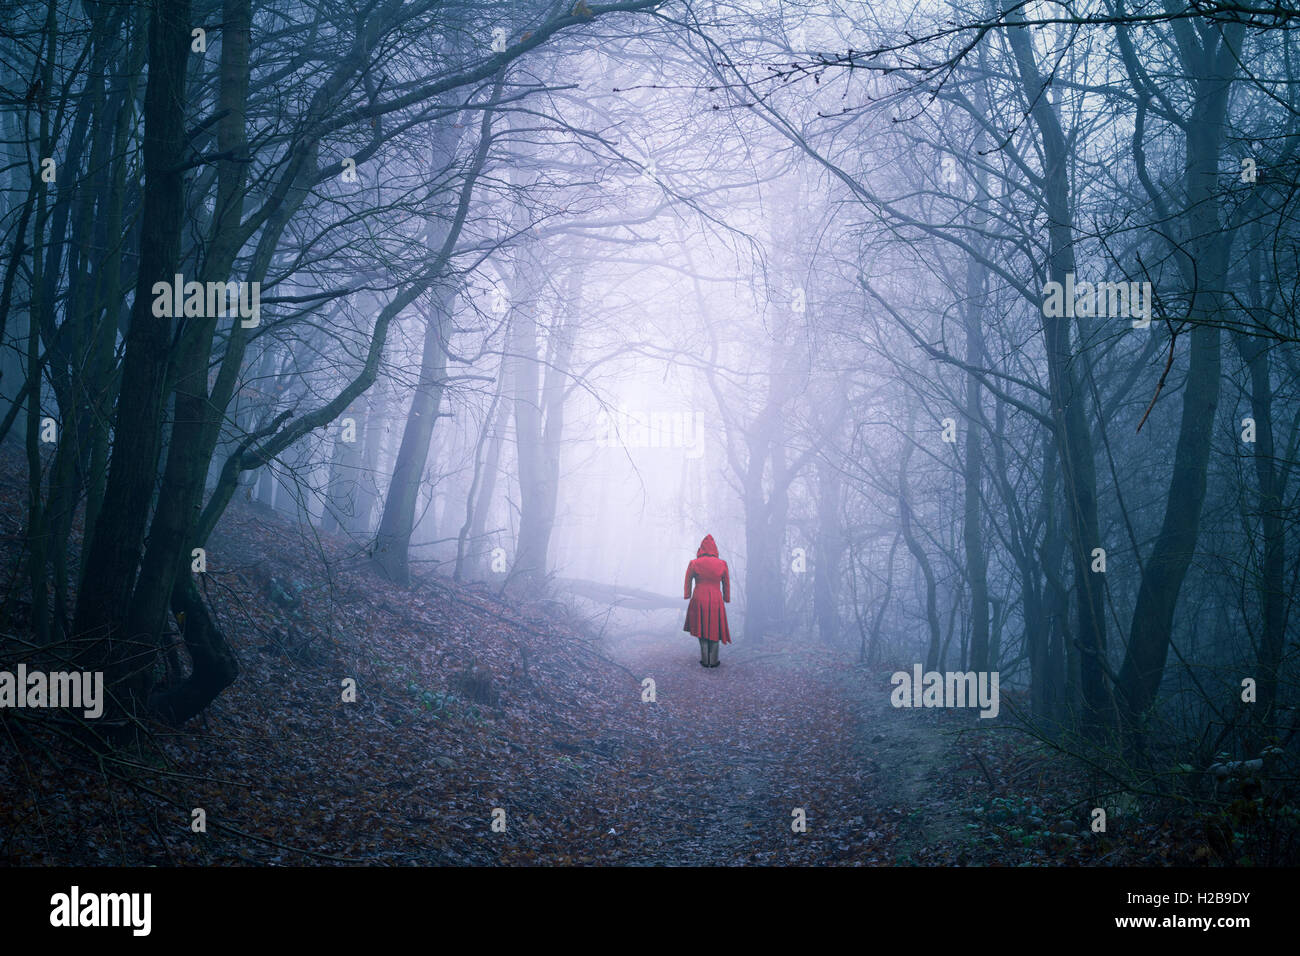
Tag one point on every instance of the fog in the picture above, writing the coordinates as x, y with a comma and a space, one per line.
549, 293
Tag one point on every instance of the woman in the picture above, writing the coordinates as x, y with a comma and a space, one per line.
706, 618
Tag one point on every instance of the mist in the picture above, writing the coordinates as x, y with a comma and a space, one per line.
394, 360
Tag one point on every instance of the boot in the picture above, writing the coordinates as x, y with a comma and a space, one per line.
704, 651
713, 653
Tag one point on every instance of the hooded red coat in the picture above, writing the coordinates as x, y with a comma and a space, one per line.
706, 616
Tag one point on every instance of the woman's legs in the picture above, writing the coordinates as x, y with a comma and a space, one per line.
713, 653
704, 651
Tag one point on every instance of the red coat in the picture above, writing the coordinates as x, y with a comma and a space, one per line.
705, 615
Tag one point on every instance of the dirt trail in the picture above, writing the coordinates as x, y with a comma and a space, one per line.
770, 732
915, 762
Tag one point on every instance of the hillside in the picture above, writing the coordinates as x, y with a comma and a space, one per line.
466, 704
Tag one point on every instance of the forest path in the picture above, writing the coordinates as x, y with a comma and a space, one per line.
738, 749
917, 765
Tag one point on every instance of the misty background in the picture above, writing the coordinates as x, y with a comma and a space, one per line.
549, 292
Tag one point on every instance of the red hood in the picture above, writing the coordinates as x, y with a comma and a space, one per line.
707, 548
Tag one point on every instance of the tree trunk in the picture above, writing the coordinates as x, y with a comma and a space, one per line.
393, 542
1078, 465
114, 547
922, 559
827, 552
1203, 257
195, 427
470, 553
972, 476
